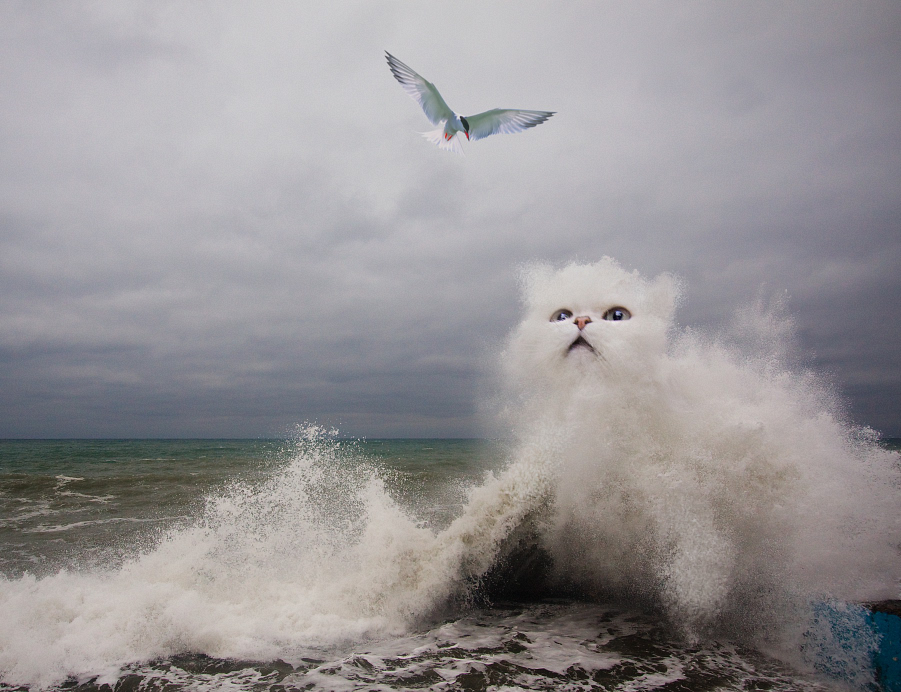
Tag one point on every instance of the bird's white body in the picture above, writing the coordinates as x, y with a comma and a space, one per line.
445, 136
450, 124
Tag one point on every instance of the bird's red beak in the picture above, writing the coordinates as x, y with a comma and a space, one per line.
467, 136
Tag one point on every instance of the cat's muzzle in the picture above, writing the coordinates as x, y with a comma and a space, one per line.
580, 343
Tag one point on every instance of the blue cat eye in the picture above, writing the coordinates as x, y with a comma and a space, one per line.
561, 315
617, 314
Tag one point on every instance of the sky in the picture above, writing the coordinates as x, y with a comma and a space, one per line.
217, 219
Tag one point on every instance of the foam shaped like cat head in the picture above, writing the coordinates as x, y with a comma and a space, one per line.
590, 320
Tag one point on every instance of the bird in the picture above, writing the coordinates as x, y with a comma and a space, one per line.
450, 124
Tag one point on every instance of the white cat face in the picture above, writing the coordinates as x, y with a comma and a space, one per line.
589, 318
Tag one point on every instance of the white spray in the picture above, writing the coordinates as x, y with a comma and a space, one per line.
712, 481
703, 474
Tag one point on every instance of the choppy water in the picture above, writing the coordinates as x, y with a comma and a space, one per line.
77, 503
673, 510
76, 511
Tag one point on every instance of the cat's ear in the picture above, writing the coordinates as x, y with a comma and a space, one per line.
663, 296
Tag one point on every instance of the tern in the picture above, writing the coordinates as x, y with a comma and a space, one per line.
475, 127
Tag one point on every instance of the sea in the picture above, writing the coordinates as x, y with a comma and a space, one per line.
315, 562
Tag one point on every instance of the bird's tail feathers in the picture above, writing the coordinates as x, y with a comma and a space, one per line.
437, 137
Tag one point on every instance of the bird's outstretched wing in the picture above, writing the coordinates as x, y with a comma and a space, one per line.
421, 90
504, 121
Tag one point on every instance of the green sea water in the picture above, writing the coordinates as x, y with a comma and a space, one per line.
74, 513
84, 503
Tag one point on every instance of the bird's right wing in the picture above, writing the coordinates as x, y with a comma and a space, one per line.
421, 90
504, 121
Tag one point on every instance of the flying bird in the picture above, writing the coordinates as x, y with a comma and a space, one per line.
475, 127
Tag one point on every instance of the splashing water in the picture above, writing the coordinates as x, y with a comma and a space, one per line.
293, 560
705, 477
314, 558
704, 474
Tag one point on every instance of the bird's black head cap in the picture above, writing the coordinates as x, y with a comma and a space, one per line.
465, 123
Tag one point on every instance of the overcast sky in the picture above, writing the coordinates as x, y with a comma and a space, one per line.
218, 219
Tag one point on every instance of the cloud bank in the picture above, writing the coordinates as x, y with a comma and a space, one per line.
217, 219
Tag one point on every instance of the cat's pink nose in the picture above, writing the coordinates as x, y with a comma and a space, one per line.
582, 321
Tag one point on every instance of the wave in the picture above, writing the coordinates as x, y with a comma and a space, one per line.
709, 479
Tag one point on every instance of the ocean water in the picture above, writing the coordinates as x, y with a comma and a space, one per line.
76, 504
669, 510
180, 564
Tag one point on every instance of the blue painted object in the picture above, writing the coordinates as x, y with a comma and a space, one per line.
858, 644
841, 643
887, 659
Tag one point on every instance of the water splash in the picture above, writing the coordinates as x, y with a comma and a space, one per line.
704, 475
707, 473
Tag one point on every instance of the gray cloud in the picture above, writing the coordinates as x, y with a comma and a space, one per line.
218, 219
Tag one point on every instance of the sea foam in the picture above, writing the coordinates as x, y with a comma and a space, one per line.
703, 475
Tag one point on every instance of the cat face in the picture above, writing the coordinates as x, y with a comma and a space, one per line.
589, 319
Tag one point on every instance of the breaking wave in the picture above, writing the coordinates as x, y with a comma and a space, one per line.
705, 477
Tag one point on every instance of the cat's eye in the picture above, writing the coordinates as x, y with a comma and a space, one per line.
561, 315
617, 314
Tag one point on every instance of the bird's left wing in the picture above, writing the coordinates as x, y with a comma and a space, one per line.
504, 121
421, 90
